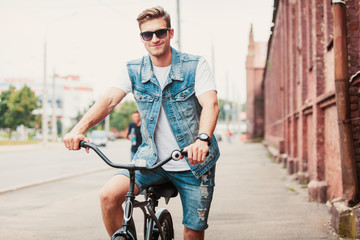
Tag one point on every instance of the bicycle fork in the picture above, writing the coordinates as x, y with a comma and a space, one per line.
128, 226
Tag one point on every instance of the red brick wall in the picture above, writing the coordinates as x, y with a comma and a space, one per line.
255, 64
299, 89
353, 28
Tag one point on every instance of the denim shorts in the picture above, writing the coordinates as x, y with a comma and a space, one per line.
196, 194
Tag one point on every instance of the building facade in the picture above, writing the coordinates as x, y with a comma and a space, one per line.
255, 64
311, 101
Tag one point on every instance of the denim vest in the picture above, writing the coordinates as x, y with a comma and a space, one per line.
181, 106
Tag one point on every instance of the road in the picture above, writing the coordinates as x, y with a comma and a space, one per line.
28, 167
254, 198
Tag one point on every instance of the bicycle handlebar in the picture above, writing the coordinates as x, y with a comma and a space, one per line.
175, 155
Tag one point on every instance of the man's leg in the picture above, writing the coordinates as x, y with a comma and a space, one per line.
112, 196
196, 196
190, 234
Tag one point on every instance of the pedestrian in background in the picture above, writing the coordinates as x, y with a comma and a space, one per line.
134, 133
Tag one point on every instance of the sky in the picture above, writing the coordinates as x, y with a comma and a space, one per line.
94, 38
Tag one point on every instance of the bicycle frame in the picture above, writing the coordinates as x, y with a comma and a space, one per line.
148, 208
128, 229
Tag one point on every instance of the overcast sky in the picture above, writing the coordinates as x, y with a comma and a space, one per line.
93, 38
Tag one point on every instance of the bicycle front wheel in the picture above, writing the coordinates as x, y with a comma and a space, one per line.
166, 225
120, 238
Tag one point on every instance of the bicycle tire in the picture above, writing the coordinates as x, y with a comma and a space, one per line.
120, 238
129, 236
166, 225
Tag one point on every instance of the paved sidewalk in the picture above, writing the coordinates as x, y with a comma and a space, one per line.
255, 199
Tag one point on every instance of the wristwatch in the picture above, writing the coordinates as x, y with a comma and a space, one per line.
204, 137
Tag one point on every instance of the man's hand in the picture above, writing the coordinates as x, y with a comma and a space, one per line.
72, 141
197, 152
93, 116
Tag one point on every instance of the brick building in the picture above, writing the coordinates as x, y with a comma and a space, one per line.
312, 113
255, 64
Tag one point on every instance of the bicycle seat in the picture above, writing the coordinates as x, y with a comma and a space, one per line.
166, 190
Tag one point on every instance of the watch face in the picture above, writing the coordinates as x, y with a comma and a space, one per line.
203, 136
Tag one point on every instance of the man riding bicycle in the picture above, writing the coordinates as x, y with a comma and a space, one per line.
177, 100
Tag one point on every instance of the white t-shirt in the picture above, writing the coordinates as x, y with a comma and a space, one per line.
164, 137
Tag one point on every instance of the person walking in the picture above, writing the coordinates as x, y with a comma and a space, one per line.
177, 101
134, 133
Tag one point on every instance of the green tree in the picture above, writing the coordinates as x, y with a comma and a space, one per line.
222, 111
4, 107
121, 117
21, 104
222, 115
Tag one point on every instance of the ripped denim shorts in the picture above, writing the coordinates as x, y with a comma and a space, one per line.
196, 194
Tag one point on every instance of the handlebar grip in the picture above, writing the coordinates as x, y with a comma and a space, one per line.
185, 154
82, 144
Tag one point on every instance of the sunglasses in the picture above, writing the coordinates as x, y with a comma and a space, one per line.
161, 33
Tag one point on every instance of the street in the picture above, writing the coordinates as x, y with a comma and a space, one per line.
57, 196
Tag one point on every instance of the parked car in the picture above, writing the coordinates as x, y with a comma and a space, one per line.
98, 137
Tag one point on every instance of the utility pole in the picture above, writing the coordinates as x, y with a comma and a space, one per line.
107, 123
213, 59
44, 120
178, 24
53, 106
227, 106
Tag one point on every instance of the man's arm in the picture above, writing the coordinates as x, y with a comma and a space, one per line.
208, 119
93, 116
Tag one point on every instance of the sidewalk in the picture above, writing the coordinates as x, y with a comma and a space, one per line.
256, 199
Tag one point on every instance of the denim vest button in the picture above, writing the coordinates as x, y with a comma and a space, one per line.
152, 118
156, 98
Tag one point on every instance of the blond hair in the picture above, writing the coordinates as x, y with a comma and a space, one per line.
153, 13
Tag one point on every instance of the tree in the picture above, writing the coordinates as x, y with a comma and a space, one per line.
4, 108
222, 111
21, 104
120, 119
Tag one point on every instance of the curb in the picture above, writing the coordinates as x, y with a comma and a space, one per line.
15, 188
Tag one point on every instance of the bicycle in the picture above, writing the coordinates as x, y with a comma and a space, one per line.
156, 223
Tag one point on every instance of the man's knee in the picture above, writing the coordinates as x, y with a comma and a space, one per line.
114, 191
107, 198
